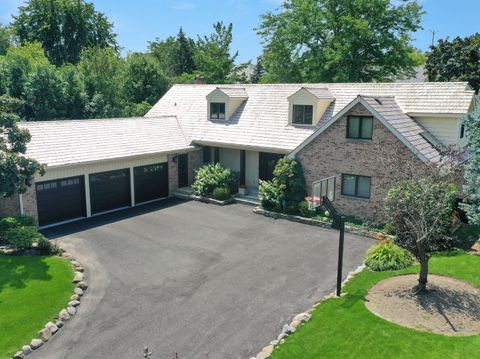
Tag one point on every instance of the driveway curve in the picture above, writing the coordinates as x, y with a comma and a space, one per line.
193, 280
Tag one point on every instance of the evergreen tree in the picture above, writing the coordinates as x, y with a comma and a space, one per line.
183, 55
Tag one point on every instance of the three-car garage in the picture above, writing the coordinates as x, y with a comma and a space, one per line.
70, 198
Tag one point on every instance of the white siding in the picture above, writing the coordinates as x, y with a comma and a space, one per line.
445, 129
230, 158
70, 171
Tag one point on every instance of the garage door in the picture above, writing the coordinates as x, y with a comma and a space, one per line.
151, 182
60, 200
109, 190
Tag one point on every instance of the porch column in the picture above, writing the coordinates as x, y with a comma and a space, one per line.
242, 167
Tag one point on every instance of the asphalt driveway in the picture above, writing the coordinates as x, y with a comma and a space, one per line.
195, 279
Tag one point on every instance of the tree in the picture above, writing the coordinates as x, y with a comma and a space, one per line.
259, 71
144, 79
64, 28
339, 40
75, 97
102, 72
44, 96
183, 55
471, 189
16, 169
456, 60
213, 56
421, 208
163, 51
5, 39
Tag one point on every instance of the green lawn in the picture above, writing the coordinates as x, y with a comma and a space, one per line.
32, 291
344, 328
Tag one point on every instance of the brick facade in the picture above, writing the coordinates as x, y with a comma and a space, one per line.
172, 174
30, 203
10, 206
195, 161
332, 154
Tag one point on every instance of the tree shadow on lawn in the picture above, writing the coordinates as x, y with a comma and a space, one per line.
16, 271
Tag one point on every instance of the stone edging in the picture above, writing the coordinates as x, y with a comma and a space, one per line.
211, 200
301, 319
316, 222
66, 314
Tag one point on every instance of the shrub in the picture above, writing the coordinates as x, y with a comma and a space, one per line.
290, 180
8, 223
211, 176
270, 196
388, 256
221, 193
22, 237
46, 247
304, 210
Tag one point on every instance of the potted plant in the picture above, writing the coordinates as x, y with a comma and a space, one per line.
242, 190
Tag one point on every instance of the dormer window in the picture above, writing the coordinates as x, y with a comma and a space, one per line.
302, 114
217, 110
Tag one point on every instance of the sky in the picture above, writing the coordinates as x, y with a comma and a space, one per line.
139, 21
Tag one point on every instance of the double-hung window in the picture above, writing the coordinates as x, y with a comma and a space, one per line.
359, 127
302, 114
356, 186
217, 111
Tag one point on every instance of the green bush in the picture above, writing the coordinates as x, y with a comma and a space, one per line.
304, 210
211, 176
8, 223
221, 193
22, 237
388, 256
290, 180
270, 196
46, 247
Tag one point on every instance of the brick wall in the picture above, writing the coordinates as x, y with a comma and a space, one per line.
172, 174
332, 154
195, 161
30, 202
10, 206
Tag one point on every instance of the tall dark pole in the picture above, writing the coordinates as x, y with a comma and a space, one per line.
340, 255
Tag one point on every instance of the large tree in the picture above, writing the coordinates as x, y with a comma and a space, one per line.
5, 39
339, 40
64, 28
144, 80
213, 55
16, 169
455, 60
471, 203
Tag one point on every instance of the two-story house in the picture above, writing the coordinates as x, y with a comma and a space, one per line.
344, 132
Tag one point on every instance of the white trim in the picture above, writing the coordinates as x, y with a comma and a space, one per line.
63, 222
378, 116
132, 187
151, 201
88, 203
20, 200
433, 114
110, 211
242, 147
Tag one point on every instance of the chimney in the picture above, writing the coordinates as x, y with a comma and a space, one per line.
199, 80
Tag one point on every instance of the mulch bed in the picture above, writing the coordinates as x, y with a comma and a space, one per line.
450, 306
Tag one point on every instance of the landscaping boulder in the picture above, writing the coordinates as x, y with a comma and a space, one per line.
82, 285
78, 291
19, 355
71, 311
303, 317
74, 303
80, 269
78, 277
59, 324
52, 327
75, 297
287, 329
44, 334
36, 343
27, 350
63, 315
295, 324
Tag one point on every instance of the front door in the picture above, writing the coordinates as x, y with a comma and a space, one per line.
183, 170
267, 164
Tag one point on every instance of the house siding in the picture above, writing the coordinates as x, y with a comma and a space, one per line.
332, 154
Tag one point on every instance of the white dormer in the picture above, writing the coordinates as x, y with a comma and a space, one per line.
307, 105
224, 101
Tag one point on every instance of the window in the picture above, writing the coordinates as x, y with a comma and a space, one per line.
359, 127
217, 111
462, 131
356, 186
207, 154
302, 114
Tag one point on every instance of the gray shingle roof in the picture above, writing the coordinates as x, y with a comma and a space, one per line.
234, 92
320, 93
62, 143
262, 120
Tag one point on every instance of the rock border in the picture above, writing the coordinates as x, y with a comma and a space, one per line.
211, 200
318, 223
52, 327
300, 319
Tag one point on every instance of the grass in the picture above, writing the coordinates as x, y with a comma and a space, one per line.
344, 328
32, 291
